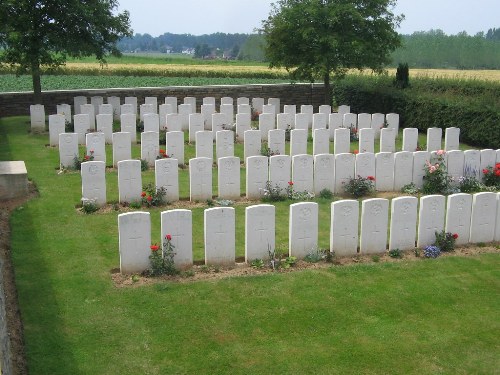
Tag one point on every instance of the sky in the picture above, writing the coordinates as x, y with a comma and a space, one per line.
197, 17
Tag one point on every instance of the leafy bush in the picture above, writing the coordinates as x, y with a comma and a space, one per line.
436, 180
151, 196
360, 186
445, 241
395, 253
432, 252
89, 206
162, 262
326, 194
469, 184
411, 188
491, 176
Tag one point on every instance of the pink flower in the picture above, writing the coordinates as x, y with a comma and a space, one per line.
432, 169
290, 183
440, 152
485, 171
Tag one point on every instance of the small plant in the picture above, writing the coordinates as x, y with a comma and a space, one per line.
276, 257
417, 252
205, 268
432, 252
288, 132
329, 256
135, 278
289, 262
360, 186
255, 115
436, 180
135, 204
266, 151
144, 165
491, 176
89, 206
445, 241
140, 126
210, 203
77, 162
68, 126
315, 256
396, 253
272, 193
151, 196
257, 263
188, 273
469, 184
163, 154
410, 188
162, 262
326, 194
481, 244
376, 258
224, 202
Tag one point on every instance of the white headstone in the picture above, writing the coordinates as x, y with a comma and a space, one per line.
364, 121
279, 171
344, 170
269, 109
257, 104
455, 165
220, 236
68, 149
96, 146
302, 121
472, 163
104, 125
451, 139
434, 136
387, 140
242, 100
290, 111
178, 224
458, 215
259, 231
122, 150
378, 122
132, 100
384, 171
403, 169
374, 222
173, 122
410, 139
243, 123
145, 108
224, 144
403, 223
208, 100
252, 143
126, 109
167, 176
309, 110
298, 142
393, 123
483, 218
129, 181
175, 146
319, 121
419, 162
344, 227
303, 173
82, 126
257, 174
115, 104
226, 100
342, 141
324, 108
164, 110
151, 122
488, 159
195, 125
172, 100
276, 103
200, 179
430, 219
128, 125
366, 140
228, 111
365, 164
153, 101
191, 100
276, 141
204, 144
321, 141
96, 101
64, 109
244, 108
105, 109
350, 121
303, 231
285, 121
90, 111
57, 126
267, 121
343, 109
334, 122
228, 175
78, 101
94, 182
324, 176
134, 230
150, 147
219, 122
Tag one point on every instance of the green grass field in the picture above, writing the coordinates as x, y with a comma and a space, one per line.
422, 317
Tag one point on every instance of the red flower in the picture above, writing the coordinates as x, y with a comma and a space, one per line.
371, 178
143, 194
497, 165
485, 171
154, 247
168, 237
86, 157
355, 152
162, 151
455, 235
290, 183
149, 198
497, 172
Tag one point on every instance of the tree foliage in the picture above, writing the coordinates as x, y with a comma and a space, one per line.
37, 33
317, 38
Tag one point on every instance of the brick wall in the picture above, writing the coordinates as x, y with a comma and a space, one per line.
18, 103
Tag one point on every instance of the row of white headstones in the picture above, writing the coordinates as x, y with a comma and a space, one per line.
391, 172
475, 218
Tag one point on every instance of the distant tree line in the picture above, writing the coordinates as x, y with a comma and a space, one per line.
426, 49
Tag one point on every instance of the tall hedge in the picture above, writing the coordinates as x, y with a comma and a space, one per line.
430, 104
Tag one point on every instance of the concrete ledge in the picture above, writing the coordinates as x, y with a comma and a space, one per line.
13, 179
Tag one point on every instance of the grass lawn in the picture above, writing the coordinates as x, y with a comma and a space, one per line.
424, 317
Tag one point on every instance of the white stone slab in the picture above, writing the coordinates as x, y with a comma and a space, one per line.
95, 146
334, 122
78, 101
374, 222
132, 100
244, 108
285, 121
104, 124
364, 121
190, 100
115, 104
82, 126
324, 108
410, 139
204, 144
252, 143
242, 100
224, 144
150, 147
344, 170
94, 182
207, 110
309, 110
458, 215
279, 171
403, 223
483, 218
269, 109
208, 100
200, 179
324, 173
228, 111
393, 123
105, 109
276, 141
128, 125
344, 227
430, 219
178, 224
290, 111
127, 109
195, 125
350, 120
153, 101
302, 121
384, 171
257, 104
163, 111
243, 123
134, 233
319, 121
303, 173
122, 149
365, 164
303, 229
129, 181
175, 146
226, 100
172, 100
455, 165
89, 110
342, 141
220, 236
403, 169
267, 121
173, 122
167, 176
451, 139
434, 138
184, 110
57, 126
259, 231
366, 140
228, 174
68, 149
145, 108
419, 161
298, 142
378, 123
276, 103
257, 174
343, 109
321, 141
472, 163
151, 122
387, 140
64, 109
96, 101
220, 122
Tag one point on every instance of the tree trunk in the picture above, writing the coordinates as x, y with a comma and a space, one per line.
328, 90
37, 85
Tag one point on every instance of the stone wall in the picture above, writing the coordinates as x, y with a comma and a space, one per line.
18, 103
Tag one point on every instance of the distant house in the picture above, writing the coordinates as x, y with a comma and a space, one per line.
188, 51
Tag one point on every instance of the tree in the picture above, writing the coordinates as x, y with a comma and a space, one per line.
44, 33
202, 50
318, 38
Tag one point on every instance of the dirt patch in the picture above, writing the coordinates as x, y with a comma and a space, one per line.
13, 315
204, 273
